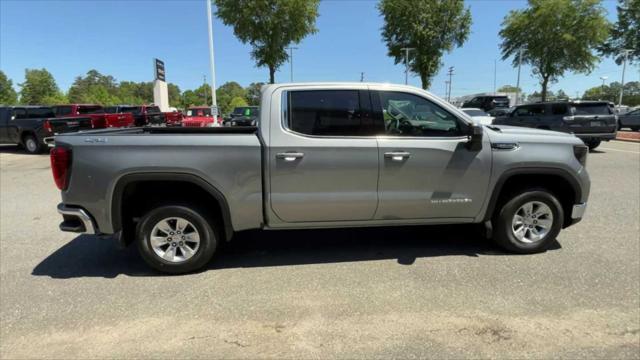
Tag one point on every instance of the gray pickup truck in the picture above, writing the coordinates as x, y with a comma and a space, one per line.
323, 155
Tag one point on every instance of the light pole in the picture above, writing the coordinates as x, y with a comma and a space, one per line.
450, 73
214, 102
495, 68
603, 78
204, 77
624, 67
406, 63
518, 81
291, 48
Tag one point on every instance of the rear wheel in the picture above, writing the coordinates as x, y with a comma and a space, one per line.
528, 221
593, 143
176, 239
635, 128
31, 144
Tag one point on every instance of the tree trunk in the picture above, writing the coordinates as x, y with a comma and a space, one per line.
272, 72
545, 83
424, 80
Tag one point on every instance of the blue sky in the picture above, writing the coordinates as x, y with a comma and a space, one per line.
121, 38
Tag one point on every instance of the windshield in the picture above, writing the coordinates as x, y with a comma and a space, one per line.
474, 112
199, 112
592, 109
153, 109
90, 110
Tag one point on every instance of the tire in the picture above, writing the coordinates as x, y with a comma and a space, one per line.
505, 227
182, 254
635, 128
593, 144
31, 144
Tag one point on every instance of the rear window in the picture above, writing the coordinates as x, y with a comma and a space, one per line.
135, 110
90, 110
592, 109
39, 113
559, 109
62, 110
199, 112
326, 112
153, 109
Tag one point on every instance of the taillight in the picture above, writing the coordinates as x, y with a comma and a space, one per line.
47, 126
580, 152
61, 166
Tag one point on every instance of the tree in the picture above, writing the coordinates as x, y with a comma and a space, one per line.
94, 88
555, 36
269, 26
37, 85
611, 92
253, 93
55, 99
8, 95
175, 99
509, 89
624, 34
561, 95
227, 92
431, 27
236, 102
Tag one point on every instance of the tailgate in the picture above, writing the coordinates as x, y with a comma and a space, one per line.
119, 120
592, 118
69, 125
155, 118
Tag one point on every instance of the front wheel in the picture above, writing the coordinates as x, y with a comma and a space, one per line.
176, 239
528, 221
593, 143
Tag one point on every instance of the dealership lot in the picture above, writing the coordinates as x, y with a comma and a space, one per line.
404, 292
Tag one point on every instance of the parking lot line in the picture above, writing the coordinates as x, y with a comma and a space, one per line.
618, 150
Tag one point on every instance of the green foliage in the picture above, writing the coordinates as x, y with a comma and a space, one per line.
37, 85
625, 33
55, 99
237, 102
253, 93
8, 95
561, 95
175, 99
226, 93
269, 26
555, 36
611, 92
94, 88
432, 27
509, 89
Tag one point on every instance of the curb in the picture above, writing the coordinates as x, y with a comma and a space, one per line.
627, 140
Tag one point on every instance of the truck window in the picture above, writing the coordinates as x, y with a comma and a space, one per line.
559, 109
327, 112
20, 113
90, 110
411, 115
41, 112
135, 110
592, 109
153, 109
62, 110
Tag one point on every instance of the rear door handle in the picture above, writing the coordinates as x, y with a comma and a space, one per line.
397, 155
290, 156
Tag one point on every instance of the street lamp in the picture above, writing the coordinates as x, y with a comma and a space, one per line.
214, 102
603, 78
406, 64
291, 48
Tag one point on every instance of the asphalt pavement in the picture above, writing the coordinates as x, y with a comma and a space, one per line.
416, 292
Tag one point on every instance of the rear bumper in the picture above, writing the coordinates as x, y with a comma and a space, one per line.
76, 220
601, 136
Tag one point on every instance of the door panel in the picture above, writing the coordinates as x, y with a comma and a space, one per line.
436, 178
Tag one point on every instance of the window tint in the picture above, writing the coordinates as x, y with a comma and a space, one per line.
135, 110
62, 110
559, 109
328, 112
592, 109
153, 109
410, 115
39, 113
111, 109
90, 110
474, 112
20, 113
530, 110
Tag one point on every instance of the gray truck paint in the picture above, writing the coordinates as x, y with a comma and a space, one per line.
339, 181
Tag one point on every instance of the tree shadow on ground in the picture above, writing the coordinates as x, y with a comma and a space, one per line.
92, 256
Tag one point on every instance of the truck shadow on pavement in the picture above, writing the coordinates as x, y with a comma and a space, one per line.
91, 256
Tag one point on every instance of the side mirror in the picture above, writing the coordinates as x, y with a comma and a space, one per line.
475, 137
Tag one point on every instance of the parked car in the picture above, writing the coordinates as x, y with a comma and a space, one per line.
478, 115
244, 116
173, 118
630, 120
495, 112
200, 116
591, 121
100, 117
487, 102
142, 114
318, 160
31, 126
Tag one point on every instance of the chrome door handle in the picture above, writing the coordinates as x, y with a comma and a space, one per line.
397, 155
290, 156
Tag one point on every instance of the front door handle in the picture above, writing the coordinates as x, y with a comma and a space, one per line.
290, 156
397, 155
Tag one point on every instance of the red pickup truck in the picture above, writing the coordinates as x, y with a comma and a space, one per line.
200, 116
147, 115
99, 117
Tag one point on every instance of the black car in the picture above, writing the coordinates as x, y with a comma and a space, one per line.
591, 121
488, 102
31, 126
244, 116
630, 120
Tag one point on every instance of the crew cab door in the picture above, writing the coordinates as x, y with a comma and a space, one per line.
426, 168
5, 117
322, 156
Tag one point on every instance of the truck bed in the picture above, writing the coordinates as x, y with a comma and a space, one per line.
171, 130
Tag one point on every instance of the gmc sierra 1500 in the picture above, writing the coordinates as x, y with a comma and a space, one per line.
323, 155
